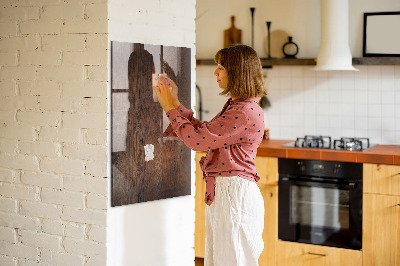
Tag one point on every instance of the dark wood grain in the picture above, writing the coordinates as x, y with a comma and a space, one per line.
135, 180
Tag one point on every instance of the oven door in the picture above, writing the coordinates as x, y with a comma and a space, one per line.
321, 212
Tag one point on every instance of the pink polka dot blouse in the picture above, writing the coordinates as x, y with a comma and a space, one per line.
231, 139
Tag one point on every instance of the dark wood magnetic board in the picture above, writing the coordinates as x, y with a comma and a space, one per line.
138, 122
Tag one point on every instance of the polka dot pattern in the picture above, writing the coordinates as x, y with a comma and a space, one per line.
231, 139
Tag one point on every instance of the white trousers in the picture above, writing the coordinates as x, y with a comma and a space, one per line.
234, 223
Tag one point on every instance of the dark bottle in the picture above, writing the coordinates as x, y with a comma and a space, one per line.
290, 49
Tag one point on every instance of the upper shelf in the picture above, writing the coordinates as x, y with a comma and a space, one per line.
312, 61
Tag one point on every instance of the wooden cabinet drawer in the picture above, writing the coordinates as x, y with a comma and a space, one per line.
381, 230
267, 168
381, 179
298, 254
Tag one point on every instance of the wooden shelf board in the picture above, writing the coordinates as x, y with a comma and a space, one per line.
312, 61
376, 61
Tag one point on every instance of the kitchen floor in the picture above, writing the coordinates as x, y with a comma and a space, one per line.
198, 262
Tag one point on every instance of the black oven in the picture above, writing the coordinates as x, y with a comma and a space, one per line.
320, 202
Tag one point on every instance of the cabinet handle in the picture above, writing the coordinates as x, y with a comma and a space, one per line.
398, 204
318, 254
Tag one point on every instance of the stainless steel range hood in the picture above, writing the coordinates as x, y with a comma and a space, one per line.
334, 51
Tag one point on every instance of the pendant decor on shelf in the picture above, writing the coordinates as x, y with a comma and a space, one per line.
252, 9
290, 49
268, 23
144, 165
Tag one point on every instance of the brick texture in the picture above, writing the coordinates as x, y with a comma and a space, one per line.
53, 121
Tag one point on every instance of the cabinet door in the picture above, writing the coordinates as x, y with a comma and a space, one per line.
381, 230
297, 254
381, 179
267, 168
200, 207
270, 233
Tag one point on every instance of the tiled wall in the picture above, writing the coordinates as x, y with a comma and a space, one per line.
338, 104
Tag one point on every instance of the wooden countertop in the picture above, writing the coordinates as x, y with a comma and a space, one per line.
379, 154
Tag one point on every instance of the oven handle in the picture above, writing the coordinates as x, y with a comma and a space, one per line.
329, 184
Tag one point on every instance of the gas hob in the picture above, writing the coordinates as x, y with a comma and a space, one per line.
325, 142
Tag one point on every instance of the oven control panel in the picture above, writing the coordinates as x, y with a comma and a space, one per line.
331, 169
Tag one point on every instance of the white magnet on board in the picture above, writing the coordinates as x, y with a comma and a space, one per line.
148, 152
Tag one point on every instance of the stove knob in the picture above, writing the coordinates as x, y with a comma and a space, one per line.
301, 166
336, 169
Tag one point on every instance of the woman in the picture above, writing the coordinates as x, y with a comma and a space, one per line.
235, 207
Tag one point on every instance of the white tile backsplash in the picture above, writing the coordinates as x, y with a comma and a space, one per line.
374, 97
374, 110
387, 71
364, 103
387, 110
388, 97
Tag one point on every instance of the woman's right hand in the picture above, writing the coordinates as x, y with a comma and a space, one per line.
174, 91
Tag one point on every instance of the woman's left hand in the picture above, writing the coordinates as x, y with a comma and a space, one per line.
163, 92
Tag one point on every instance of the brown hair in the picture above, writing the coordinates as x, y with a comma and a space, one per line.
245, 78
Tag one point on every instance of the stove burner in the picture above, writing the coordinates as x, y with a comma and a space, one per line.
351, 144
324, 142
308, 141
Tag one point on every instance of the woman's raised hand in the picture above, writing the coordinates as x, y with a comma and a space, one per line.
163, 90
174, 90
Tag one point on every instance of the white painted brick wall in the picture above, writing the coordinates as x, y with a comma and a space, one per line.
84, 247
98, 169
61, 258
53, 227
97, 234
35, 239
8, 234
41, 179
86, 184
87, 216
37, 209
19, 250
94, 201
8, 204
53, 121
75, 230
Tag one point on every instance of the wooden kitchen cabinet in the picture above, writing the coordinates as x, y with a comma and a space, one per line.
200, 207
381, 215
270, 233
381, 230
298, 254
267, 167
381, 179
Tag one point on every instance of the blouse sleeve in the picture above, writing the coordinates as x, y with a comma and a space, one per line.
224, 130
186, 113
